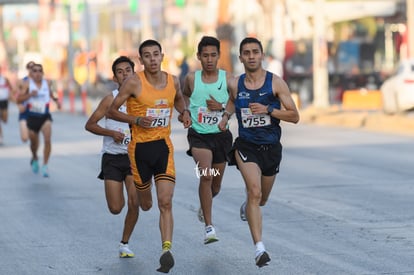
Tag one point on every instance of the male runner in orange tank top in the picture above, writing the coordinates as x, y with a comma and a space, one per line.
151, 96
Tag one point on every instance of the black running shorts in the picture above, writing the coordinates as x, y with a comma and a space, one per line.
4, 104
267, 156
152, 159
35, 123
219, 143
115, 167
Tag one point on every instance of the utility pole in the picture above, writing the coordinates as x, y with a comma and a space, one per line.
410, 26
87, 16
70, 42
224, 34
320, 57
3, 45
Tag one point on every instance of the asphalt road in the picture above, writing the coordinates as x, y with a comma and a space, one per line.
343, 204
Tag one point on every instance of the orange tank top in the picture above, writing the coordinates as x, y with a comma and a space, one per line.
157, 103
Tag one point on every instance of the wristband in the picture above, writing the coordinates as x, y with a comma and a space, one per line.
225, 113
137, 120
185, 110
270, 109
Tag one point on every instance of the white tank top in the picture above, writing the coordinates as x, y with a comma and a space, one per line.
4, 89
109, 145
39, 104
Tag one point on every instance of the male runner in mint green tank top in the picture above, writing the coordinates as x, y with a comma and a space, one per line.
206, 95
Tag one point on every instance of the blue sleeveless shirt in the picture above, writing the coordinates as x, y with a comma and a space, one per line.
257, 129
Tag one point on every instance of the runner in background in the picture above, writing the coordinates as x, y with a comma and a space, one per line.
37, 93
5, 96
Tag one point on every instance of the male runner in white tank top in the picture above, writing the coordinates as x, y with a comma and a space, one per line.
5, 89
38, 93
115, 164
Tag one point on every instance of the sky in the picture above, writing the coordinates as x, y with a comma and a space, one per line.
28, 12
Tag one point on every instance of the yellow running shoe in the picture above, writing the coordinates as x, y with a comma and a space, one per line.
125, 252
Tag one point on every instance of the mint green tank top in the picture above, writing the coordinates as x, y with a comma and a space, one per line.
204, 120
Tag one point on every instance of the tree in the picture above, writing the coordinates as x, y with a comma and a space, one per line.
3, 45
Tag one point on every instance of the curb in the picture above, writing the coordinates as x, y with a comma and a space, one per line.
373, 121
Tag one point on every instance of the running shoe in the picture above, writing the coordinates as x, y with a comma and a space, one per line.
35, 165
243, 212
45, 171
166, 262
210, 235
125, 252
200, 215
262, 259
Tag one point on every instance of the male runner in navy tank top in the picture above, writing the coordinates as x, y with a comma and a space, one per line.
23, 111
256, 97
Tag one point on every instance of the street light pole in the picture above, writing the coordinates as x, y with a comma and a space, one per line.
320, 57
87, 15
70, 42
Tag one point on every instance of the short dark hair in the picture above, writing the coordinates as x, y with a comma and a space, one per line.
208, 41
122, 59
148, 43
29, 64
37, 65
249, 40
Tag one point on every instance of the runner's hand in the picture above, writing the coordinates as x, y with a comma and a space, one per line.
146, 121
213, 104
118, 137
186, 117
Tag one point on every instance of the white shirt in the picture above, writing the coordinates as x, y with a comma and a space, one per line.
4, 89
40, 103
109, 145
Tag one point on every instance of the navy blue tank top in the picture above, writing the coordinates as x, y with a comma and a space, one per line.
257, 129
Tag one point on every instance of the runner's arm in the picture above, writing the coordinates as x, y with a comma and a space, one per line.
289, 113
23, 94
52, 94
230, 107
126, 90
180, 105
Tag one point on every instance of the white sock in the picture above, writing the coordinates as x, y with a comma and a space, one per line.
260, 248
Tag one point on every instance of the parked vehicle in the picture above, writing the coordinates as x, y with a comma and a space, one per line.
398, 90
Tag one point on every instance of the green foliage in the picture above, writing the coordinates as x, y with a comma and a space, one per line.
180, 3
133, 6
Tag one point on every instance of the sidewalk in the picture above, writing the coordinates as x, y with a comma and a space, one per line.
77, 105
402, 124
